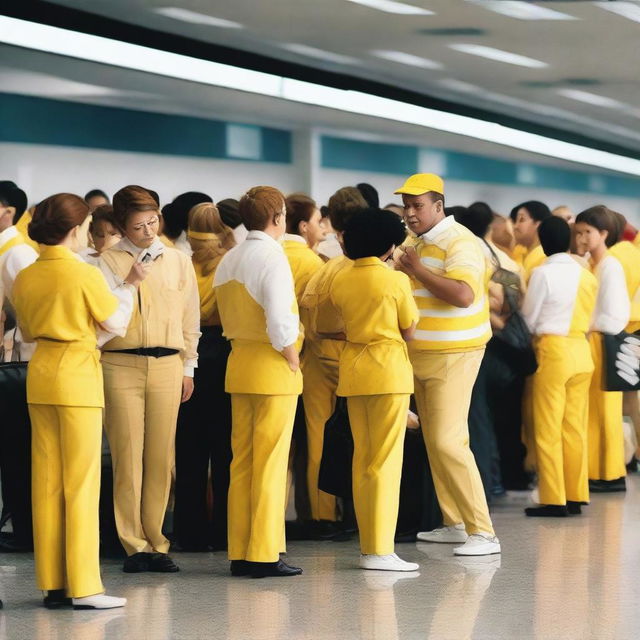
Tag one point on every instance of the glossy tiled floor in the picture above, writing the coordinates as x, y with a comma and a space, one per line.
565, 579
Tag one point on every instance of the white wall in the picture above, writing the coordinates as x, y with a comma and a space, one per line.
501, 198
42, 170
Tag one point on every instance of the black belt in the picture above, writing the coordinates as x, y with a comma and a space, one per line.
155, 352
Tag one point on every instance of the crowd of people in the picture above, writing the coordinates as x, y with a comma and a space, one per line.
216, 344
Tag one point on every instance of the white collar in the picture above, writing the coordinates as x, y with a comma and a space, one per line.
443, 225
156, 247
560, 258
265, 237
8, 234
294, 237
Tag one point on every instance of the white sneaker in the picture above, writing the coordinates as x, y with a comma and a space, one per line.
452, 534
479, 544
99, 601
386, 563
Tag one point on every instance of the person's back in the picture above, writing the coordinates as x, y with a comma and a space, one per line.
628, 255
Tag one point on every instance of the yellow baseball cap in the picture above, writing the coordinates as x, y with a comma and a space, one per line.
420, 183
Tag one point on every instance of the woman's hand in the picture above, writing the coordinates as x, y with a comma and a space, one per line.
187, 388
138, 273
292, 357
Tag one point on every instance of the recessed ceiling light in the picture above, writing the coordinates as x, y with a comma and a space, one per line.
628, 10
320, 54
499, 55
391, 6
522, 10
591, 98
193, 17
406, 58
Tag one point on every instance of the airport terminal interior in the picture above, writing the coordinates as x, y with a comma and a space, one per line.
525, 111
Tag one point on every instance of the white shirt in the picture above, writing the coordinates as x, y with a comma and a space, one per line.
550, 299
240, 233
261, 266
90, 256
181, 243
613, 307
330, 246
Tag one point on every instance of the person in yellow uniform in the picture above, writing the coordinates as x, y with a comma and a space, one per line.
628, 254
322, 356
379, 314
607, 468
60, 300
528, 217
203, 436
447, 269
557, 308
257, 305
147, 373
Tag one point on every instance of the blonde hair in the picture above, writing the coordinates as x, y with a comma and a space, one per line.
214, 238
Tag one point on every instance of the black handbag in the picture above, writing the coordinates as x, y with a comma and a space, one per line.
337, 454
621, 361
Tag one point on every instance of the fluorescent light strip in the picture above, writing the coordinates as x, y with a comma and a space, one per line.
391, 6
54, 40
318, 54
591, 98
521, 10
406, 58
628, 10
193, 17
498, 55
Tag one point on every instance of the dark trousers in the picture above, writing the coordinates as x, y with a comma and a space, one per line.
203, 438
15, 453
495, 420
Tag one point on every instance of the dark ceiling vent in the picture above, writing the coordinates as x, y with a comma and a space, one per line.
549, 84
583, 82
453, 31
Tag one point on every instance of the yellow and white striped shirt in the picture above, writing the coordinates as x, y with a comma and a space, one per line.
452, 251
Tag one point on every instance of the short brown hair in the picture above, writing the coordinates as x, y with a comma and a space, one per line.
130, 200
259, 206
102, 213
55, 216
300, 208
343, 204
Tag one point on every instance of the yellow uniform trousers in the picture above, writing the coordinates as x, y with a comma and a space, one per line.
606, 435
66, 445
142, 398
443, 386
378, 424
560, 411
320, 380
260, 441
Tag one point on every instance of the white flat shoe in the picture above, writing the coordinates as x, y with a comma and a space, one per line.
386, 563
448, 535
99, 601
479, 544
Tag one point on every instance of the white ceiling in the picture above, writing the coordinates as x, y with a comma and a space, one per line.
596, 52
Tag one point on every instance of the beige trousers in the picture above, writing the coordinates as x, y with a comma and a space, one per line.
142, 397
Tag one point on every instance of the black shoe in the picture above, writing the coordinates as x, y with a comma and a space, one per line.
56, 599
405, 536
240, 568
278, 569
607, 486
10, 544
632, 467
574, 508
137, 563
322, 529
162, 563
547, 511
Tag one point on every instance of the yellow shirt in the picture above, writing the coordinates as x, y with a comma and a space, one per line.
533, 259
321, 315
59, 300
303, 261
23, 227
519, 252
628, 255
167, 312
375, 302
452, 251
209, 314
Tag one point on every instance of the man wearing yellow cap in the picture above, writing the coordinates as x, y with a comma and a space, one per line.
447, 269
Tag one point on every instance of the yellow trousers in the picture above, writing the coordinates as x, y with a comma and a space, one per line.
142, 398
66, 447
378, 424
319, 399
443, 386
606, 435
560, 412
260, 440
